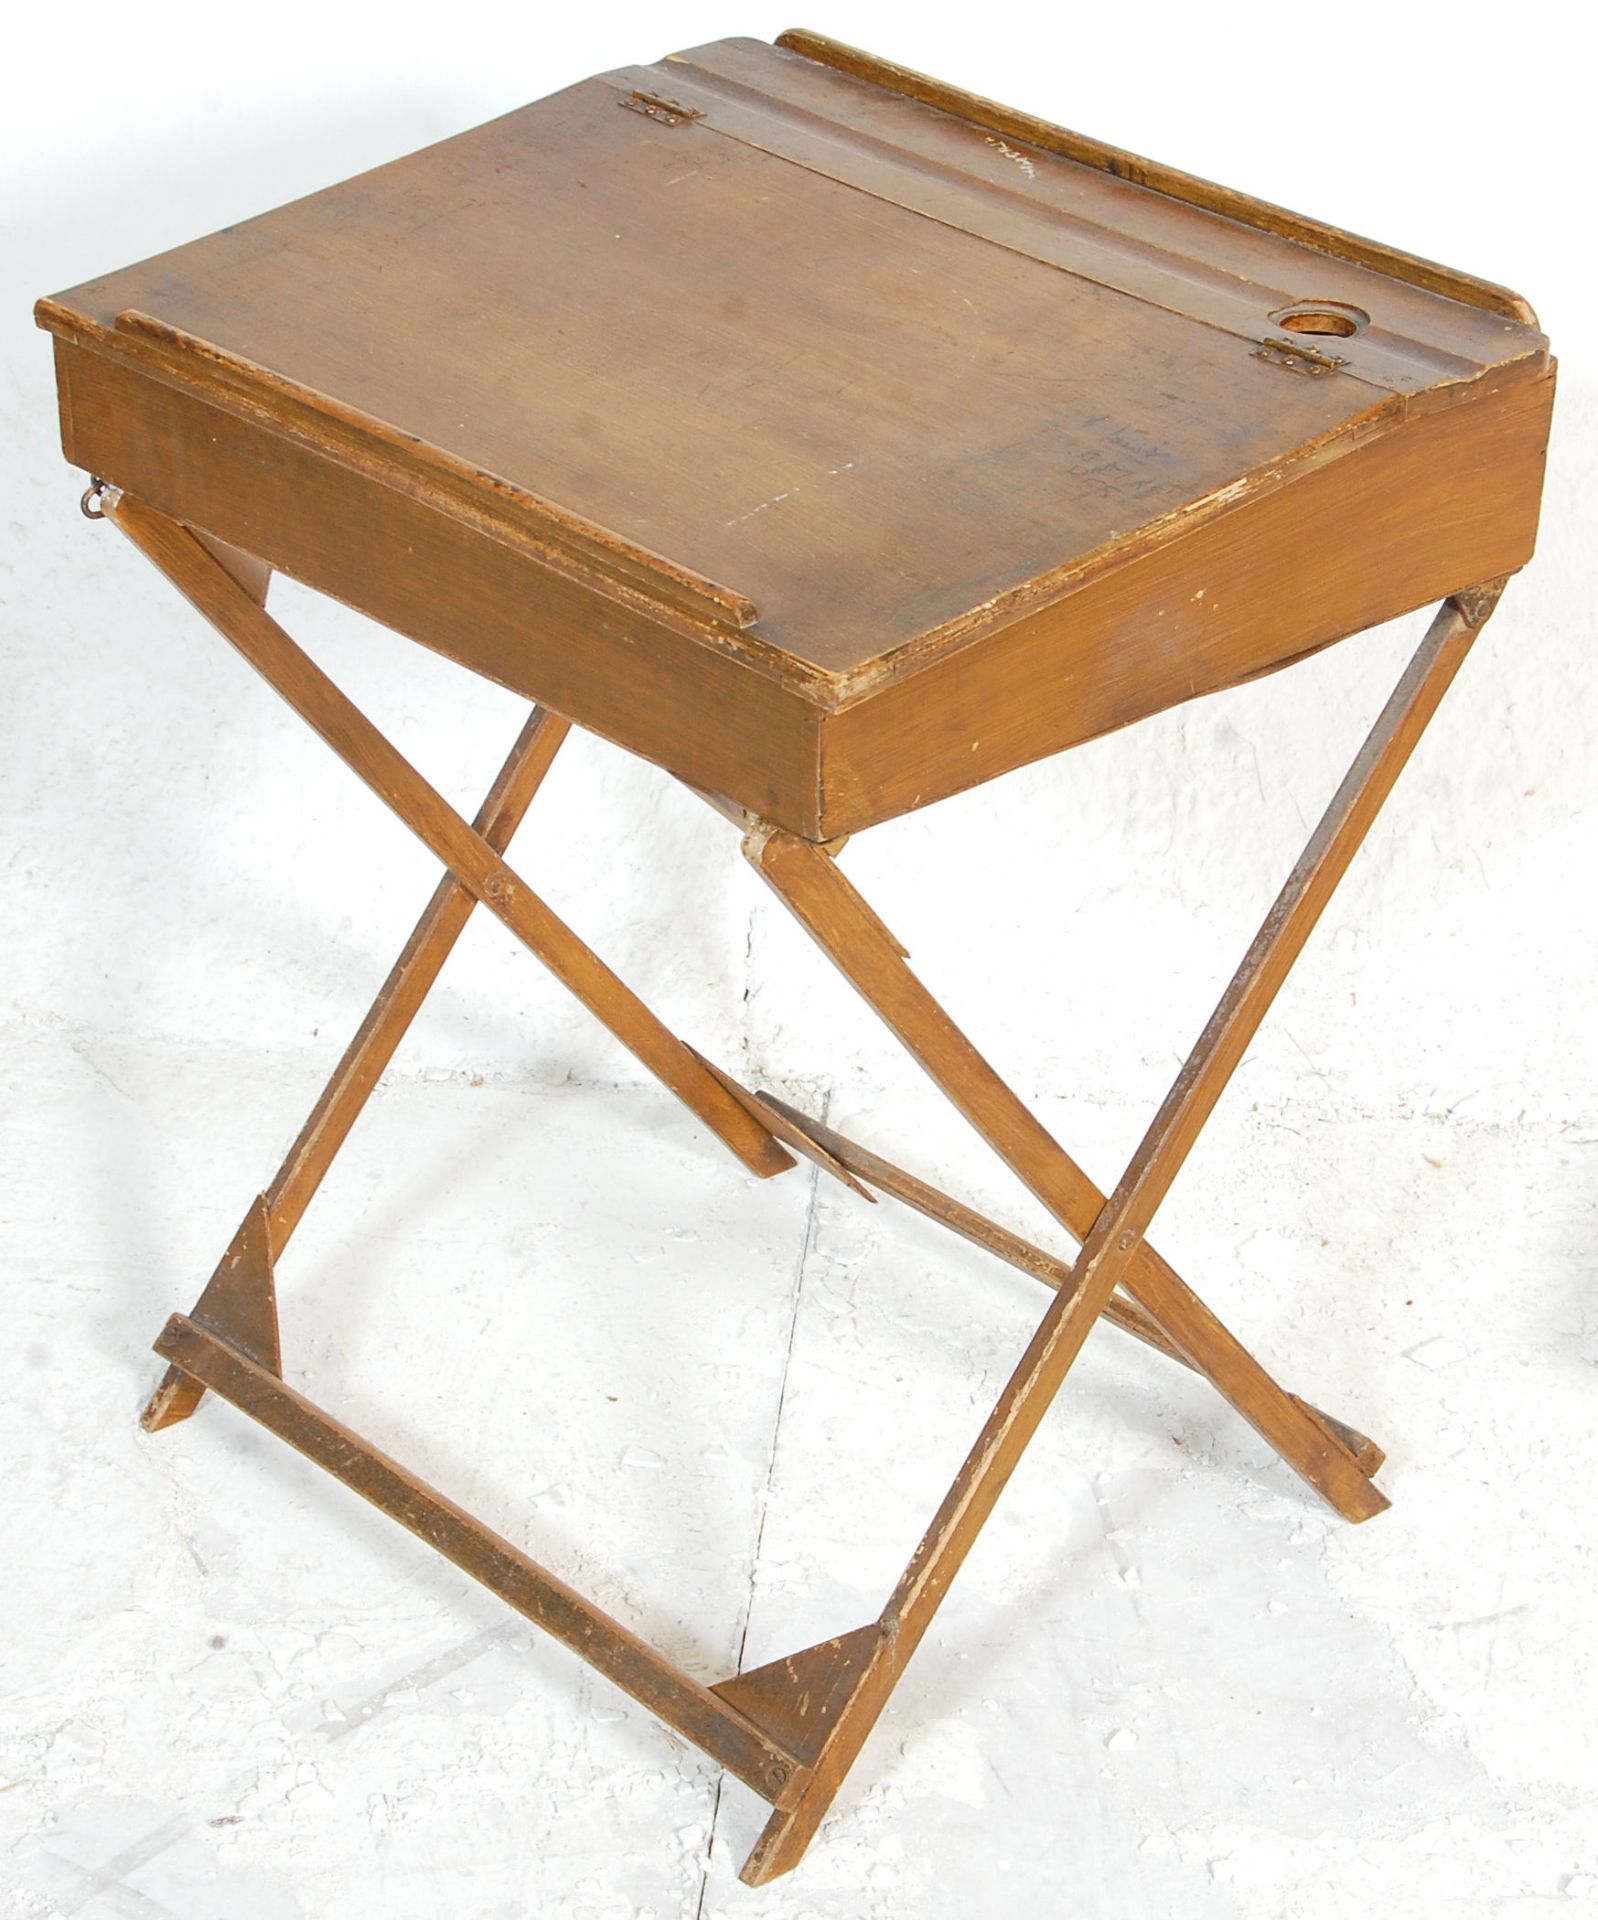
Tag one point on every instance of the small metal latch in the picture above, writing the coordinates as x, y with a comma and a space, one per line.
1298, 358
668, 112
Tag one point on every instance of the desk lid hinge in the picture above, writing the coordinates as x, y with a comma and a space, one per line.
1298, 358
669, 113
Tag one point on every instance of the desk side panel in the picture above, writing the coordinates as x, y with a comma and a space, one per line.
1440, 503
600, 662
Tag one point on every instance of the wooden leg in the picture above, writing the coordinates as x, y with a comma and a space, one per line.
811, 885
829, 1149
379, 1034
817, 891
409, 981
470, 858
793, 1728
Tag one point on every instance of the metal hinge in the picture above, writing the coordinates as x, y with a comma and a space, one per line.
1298, 358
668, 112
1477, 603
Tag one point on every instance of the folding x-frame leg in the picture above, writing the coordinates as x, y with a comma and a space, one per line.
790, 1729
1113, 1251
874, 962
385, 1025
864, 1170
225, 589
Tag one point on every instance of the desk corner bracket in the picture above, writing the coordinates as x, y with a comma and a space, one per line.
239, 1305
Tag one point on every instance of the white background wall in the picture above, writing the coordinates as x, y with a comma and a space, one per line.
198, 903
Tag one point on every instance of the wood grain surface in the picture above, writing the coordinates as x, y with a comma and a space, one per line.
829, 436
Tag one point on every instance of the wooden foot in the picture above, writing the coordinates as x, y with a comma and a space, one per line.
1367, 1456
175, 1399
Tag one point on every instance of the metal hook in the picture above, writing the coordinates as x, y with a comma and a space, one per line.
93, 494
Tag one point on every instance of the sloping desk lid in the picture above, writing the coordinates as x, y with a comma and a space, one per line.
845, 364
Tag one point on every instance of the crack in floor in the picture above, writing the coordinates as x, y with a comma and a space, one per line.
807, 1241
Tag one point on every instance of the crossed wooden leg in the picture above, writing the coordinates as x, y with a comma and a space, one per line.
860, 1165
864, 1666
814, 887
790, 1729
229, 589
370, 1051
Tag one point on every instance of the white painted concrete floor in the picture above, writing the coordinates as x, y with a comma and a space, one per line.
1168, 1683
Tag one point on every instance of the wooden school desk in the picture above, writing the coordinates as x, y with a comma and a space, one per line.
837, 441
